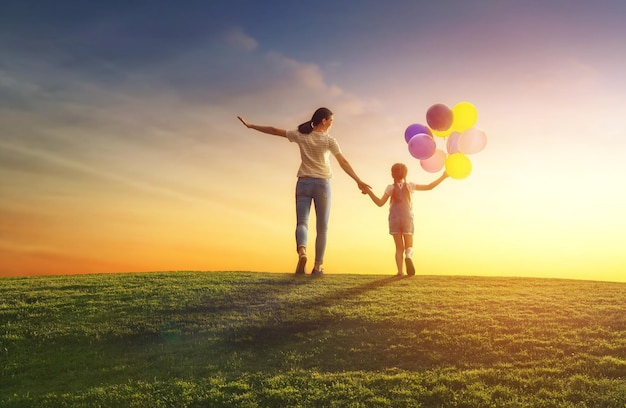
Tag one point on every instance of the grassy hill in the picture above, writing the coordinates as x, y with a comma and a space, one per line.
239, 339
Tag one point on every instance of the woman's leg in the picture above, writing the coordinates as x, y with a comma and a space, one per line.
303, 209
397, 239
321, 200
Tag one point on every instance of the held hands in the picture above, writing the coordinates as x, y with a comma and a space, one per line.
365, 188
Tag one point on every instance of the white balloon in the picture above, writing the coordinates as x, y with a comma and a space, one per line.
472, 141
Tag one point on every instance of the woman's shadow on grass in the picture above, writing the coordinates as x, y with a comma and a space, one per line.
294, 319
356, 291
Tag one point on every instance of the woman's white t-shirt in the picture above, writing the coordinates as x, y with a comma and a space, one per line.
315, 150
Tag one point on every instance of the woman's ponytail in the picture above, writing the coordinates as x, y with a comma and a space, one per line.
305, 128
321, 113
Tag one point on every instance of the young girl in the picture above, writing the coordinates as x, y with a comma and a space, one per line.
401, 212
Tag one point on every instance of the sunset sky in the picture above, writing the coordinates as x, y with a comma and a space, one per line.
120, 148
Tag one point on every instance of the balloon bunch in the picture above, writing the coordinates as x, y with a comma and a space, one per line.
456, 126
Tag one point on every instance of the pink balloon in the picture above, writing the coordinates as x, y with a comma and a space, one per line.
452, 145
422, 146
434, 163
472, 141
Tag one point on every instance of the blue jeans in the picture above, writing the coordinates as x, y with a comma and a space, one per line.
318, 191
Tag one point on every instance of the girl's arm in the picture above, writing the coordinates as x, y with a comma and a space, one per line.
378, 201
432, 185
270, 130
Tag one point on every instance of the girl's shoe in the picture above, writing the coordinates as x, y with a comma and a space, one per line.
301, 264
410, 269
317, 272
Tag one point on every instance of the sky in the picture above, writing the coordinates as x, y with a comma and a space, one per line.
120, 148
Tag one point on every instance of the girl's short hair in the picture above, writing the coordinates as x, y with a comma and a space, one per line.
399, 171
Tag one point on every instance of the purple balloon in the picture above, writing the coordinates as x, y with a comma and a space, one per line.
422, 146
416, 129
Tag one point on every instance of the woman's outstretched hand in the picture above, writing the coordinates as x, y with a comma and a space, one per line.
243, 121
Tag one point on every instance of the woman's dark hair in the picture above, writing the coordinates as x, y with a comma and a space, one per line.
321, 113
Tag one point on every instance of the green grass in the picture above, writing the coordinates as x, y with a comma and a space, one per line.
237, 339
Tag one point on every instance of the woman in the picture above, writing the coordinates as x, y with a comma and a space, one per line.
314, 174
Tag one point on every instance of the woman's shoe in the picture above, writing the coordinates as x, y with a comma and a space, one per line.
317, 272
301, 264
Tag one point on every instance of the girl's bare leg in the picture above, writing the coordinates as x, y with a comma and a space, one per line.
408, 249
408, 244
397, 239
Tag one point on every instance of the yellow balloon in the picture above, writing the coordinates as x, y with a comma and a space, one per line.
458, 166
442, 133
464, 116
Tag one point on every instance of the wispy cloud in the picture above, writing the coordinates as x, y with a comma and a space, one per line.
91, 170
238, 39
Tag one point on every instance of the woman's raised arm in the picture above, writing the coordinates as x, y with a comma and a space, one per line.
270, 130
